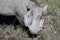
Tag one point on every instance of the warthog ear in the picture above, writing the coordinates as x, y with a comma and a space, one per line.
45, 8
28, 18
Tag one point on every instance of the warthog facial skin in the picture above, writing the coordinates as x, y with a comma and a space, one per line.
27, 11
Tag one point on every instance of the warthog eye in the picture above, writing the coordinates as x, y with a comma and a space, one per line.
28, 9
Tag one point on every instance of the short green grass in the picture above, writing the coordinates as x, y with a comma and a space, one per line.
53, 4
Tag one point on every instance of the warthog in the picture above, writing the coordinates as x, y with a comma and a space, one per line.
27, 11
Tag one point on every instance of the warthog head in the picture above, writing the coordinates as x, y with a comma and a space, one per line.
33, 19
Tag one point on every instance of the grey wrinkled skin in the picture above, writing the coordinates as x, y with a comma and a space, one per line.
19, 8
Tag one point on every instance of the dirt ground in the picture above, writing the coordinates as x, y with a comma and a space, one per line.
50, 31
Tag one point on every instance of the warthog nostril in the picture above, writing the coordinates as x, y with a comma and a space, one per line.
32, 35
